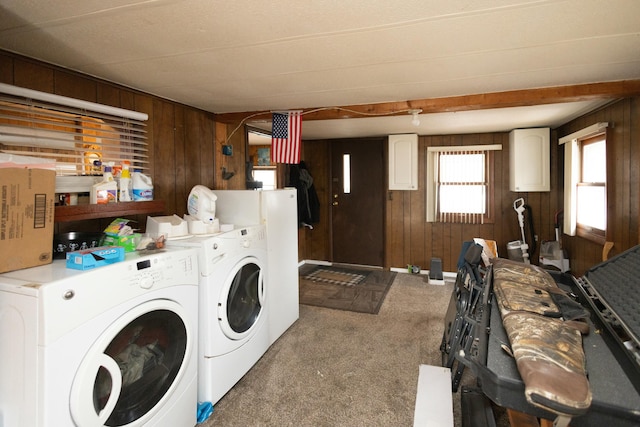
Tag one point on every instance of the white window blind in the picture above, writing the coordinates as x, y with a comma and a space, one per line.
458, 185
72, 132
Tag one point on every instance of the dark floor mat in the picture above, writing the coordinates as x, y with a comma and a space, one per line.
342, 288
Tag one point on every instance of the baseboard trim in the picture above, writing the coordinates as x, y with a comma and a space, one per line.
445, 275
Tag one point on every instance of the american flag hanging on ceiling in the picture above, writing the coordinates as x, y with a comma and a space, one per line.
286, 137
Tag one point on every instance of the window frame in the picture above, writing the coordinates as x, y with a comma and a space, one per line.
271, 169
572, 175
588, 232
433, 183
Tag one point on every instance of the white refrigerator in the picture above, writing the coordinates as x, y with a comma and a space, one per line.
278, 211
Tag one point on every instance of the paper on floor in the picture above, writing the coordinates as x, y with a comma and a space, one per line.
434, 404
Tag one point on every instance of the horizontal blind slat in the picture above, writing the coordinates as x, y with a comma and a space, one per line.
73, 132
458, 168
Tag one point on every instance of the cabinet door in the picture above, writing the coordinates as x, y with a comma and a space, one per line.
403, 162
529, 159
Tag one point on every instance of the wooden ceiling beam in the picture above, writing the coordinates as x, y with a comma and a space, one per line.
514, 98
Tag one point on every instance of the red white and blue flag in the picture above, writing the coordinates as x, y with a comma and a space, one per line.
286, 137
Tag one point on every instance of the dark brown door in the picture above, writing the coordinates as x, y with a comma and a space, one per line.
357, 192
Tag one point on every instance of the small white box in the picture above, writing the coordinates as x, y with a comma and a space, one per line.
168, 226
197, 227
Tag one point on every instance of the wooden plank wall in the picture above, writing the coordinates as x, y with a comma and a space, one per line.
411, 240
623, 210
181, 138
316, 244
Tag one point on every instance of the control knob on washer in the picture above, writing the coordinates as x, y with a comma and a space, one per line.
145, 281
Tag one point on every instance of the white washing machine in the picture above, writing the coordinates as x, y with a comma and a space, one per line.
234, 332
278, 211
114, 346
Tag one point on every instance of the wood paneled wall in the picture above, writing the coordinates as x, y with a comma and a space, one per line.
412, 240
185, 149
409, 238
623, 204
182, 149
316, 244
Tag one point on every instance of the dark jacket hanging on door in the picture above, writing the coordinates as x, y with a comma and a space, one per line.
308, 202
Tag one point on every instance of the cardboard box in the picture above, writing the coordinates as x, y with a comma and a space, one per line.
95, 257
27, 211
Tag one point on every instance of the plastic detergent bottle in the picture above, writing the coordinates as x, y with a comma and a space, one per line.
105, 191
142, 187
125, 193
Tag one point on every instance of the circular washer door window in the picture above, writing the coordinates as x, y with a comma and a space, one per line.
135, 367
242, 299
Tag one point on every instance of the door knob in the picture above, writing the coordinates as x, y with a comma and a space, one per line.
335, 203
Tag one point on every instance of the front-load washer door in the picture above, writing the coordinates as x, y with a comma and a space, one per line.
242, 299
133, 367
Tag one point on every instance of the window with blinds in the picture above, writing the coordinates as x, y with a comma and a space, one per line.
76, 134
459, 184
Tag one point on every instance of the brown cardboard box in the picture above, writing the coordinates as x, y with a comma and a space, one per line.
26, 217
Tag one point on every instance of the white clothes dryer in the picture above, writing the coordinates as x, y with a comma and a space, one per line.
278, 211
114, 346
234, 332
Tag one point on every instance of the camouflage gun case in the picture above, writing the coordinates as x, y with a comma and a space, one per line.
545, 327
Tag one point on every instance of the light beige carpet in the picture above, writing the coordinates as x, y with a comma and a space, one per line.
341, 368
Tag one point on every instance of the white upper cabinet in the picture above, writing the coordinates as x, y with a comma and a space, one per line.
403, 162
529, 159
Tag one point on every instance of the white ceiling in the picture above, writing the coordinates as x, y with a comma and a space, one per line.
249, 55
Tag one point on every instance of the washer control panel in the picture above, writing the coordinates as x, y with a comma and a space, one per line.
162, 269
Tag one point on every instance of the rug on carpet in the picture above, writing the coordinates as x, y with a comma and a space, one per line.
344, 288
328, 275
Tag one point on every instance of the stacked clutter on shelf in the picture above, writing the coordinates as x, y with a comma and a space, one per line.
105, 191
119, 184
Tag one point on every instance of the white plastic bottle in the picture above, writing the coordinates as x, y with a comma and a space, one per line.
142, 187
125, 193
105, 191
